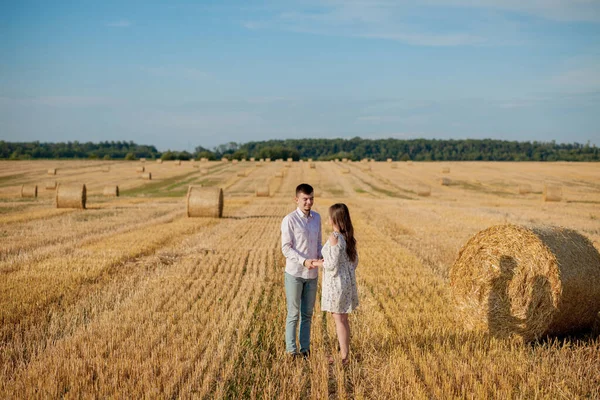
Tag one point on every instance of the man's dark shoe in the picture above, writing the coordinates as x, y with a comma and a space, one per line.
305, 354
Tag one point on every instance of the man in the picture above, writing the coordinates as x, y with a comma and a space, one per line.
301, 246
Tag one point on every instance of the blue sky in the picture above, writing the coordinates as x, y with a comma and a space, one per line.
181, 74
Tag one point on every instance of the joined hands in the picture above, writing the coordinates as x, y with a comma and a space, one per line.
313, 263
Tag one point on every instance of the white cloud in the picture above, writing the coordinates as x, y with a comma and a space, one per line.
121, 23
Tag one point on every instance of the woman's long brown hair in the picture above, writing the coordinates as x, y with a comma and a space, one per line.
341, 218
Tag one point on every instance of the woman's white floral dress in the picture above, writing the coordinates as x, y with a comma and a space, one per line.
339, 278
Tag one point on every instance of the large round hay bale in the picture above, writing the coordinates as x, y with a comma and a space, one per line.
177, 162
110, 191
159, 161
204, 202
552, 193
203, 171
241, 174
446, 170
424, 191
345, 170
268, 159
252, 159
290, 159
345, 160
52, 171
531, 282
288, 165
389, 160
394, 166
203, 159
445, 181
525, 188
143, 159
263, 191
234, 161
225, 160
310, 160
147, 176
71, 195
337, 160
141, 169
30, 191
279, 174
50, 185
259, 164
312, 165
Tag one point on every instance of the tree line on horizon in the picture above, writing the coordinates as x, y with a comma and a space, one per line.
317, 149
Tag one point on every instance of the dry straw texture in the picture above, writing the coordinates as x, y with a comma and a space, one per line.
263, 191
530, 282
312, 165
288, 165
147, 176
525, 188
310, 160
204, 202
50, 185
71, 195
159, 161
29, 191
234, 161
105, 169
424, 191
267, 159
52, 171
259, 164
142, 159
203, 171
445, 181
552, 193
394, 166
345, 170
279, 174
141, 169
177, 162
445, 170
241, 174
111, 191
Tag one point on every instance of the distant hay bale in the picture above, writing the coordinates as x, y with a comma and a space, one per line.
409, 162
241, 174
111, 191
147, 176
71, 195
389, 160
552, 193
159, 160
525, 188
50, 185
29, 191
310, 160
204, 159
312, 165
267, 159
263, 191
142, 159
424, 191
290, 159
279, 174
394, 166
252, 159
345, 170
177, 162
337, 160
196, 166
445, 181
366, 168
203, 171
364, 160
445, 170
52, 171
140, 169
288, 165
279, 160
261, 160
243, 160
234, 161
344, 160
527, 281
204, 202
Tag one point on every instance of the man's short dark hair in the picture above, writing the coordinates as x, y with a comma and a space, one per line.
304, 188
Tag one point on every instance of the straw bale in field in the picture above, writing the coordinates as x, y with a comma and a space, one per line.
409, 162
203, 171
50, 185
204, 202
196, 166
527, 281
29, 191
364, 160
243, 160
344, 160
110, 191
337, 160
424, 191
366, 168
345, 170
290, 159
394, 166
241, 174
52, 171
312, 165
389, 160
288, 165
267, 159
252, 159
279, 160
234, 161
445, 181
147, 176
140, 169
142, 159
279, 174
263, 191
204, 159
71, 195
552, 193
159, 160
310, 160
525, 188
446, 170
177, 162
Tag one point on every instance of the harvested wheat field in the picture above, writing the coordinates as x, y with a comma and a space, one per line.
131, 298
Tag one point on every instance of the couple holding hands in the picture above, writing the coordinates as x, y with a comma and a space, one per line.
304, 253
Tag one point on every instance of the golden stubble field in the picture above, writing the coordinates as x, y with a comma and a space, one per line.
131, 299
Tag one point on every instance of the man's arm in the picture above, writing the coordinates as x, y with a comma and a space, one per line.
287, 243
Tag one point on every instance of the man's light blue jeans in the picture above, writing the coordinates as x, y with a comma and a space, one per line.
300, 294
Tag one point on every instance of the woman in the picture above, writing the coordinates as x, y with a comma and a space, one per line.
340, 259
